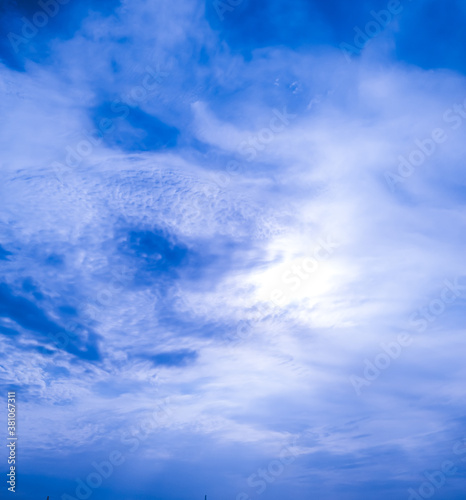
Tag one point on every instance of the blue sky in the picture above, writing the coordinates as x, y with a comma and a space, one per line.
232, 248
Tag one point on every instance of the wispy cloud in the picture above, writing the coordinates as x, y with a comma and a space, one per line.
209, 215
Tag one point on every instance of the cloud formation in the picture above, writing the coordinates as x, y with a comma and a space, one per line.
232, 253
